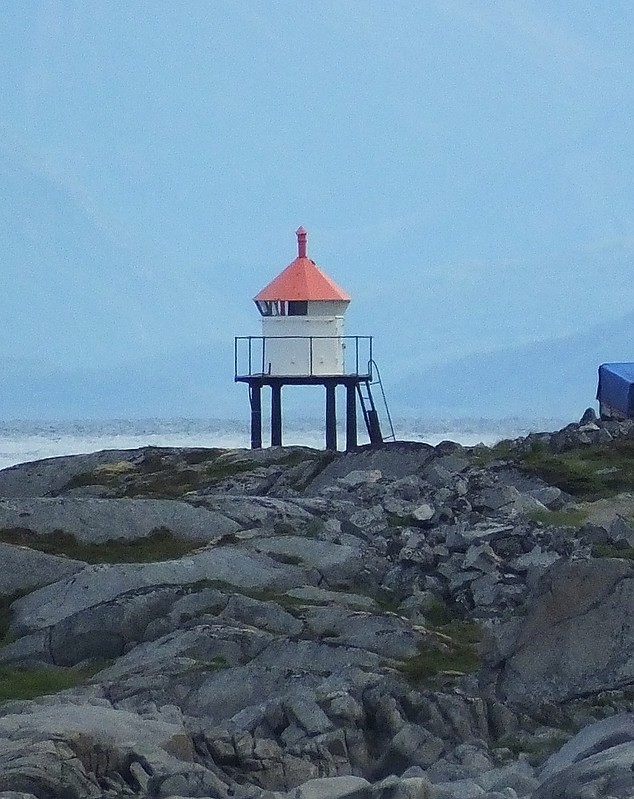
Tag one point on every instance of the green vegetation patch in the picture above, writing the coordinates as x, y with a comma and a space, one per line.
590, 473
221, 471
610, 551
483, 455
107, 475
21, 683
538, 750
574, 517
160, 544
193, 457
164, 485
438, 614
454, 652
217, 663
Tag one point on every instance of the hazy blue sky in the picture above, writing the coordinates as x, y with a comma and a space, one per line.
464, 168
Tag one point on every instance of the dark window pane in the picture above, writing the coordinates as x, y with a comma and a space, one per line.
298, 308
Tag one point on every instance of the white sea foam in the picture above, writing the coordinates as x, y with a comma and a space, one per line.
29, 441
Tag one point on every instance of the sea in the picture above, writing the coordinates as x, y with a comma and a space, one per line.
22, 441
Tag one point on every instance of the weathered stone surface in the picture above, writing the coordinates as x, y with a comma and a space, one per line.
392, 460
46, 477
341, 598
95, 585
332, 788
24, 569
577, 637
248, 511
97, 520
276, 680
608, 773
337, 563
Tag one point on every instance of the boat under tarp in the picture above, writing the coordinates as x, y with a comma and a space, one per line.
616, 388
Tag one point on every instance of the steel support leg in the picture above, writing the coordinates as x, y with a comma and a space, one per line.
276, 415
331, 417
351, 417
255, 395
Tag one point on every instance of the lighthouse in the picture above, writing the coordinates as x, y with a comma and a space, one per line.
303, 343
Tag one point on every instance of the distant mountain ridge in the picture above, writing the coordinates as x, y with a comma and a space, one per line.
557, 376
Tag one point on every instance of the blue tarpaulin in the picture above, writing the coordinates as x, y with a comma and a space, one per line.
616, 386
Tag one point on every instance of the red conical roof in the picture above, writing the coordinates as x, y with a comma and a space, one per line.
302, 280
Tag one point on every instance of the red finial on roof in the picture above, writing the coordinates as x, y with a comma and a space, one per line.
301, 242
302, 280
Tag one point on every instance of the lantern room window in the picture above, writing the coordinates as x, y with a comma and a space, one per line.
265, 308
283, 307
298, 307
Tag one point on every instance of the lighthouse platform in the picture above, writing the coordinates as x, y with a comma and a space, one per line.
254, 367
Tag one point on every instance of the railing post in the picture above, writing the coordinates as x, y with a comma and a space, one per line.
310, 350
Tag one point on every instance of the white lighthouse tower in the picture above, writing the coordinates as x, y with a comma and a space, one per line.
303, 344
302, 319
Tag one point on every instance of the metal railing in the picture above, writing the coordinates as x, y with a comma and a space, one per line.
250, 354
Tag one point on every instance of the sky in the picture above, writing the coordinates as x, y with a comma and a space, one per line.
464, 168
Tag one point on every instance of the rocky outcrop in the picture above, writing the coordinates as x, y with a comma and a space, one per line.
395, 623
577, 638
98, 520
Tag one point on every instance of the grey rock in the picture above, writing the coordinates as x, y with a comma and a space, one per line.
257, 511
412, 745
95, 585
303, 709
94, 520
519, 775
549, 496
423, 513
486, 589
459, 789
590, 740
16, 795
482, 558
496, 498
387, 635
24, 569
347, 787
606, 773
48, 476
369, 520
508, 500
589, 416
344, 706
320, 596
44, 767
360, 477
337, 563
404, 788
576, 639
537, 558
267, 616
621, 532
437, 475
395, 461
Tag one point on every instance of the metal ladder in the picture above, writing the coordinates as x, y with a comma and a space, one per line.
368, 406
